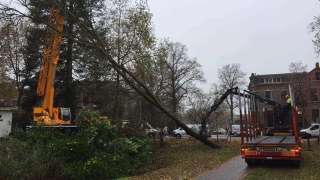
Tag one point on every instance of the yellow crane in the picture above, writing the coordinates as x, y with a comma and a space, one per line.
46, 114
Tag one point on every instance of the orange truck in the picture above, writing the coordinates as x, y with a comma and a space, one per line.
258, 143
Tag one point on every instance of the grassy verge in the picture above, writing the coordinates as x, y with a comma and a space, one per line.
309, 169
184, 159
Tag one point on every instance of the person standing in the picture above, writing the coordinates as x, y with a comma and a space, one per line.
288, 110
289, 102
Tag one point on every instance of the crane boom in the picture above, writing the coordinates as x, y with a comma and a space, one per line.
46, 114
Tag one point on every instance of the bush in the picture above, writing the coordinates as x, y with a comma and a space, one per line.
97, 151
20, 160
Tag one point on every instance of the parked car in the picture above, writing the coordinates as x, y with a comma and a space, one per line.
235, 130
311, 131
219, 131
180, 132
152, 132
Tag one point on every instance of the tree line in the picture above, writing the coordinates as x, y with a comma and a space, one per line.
109, 56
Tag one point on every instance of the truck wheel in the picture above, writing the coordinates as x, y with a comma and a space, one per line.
308, 136
251, 162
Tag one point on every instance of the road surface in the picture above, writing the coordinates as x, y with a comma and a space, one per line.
234, 169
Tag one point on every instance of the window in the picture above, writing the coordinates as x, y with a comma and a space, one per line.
267, 94
1, 118
313, 95
317, 75
315, 127
315, 115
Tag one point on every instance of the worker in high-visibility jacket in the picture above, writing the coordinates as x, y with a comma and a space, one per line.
289, 102
289, 108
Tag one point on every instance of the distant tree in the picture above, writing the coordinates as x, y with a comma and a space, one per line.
151, 70
171, 75
315, 29
198, 103
2, 72
231, 76
297, 82
219, 116
12, 42
8, 90
128, 29
182, 72
298, 66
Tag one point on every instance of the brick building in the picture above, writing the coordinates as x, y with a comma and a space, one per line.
305, 87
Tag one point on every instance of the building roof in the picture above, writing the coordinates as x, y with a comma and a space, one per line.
279, 74
8, 108
317, 67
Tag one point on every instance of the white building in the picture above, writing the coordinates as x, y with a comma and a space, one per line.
5, 121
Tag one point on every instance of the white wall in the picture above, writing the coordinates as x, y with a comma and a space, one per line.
5, 123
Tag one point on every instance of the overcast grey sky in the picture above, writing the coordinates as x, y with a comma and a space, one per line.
264, 36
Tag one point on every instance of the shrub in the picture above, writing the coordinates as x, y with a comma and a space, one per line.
20, 160
97, 151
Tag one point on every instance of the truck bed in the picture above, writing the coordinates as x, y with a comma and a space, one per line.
272, 140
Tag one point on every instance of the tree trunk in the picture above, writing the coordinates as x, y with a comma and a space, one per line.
161, 136
203, 130
69, 94
116, 114
19, 98
231, 115
116, 111
174, 108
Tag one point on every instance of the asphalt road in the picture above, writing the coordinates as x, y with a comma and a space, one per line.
234, 169
213, 137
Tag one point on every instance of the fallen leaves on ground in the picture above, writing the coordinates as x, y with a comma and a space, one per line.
185, 159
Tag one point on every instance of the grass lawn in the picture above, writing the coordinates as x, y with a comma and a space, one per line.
184, 159
309, 169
